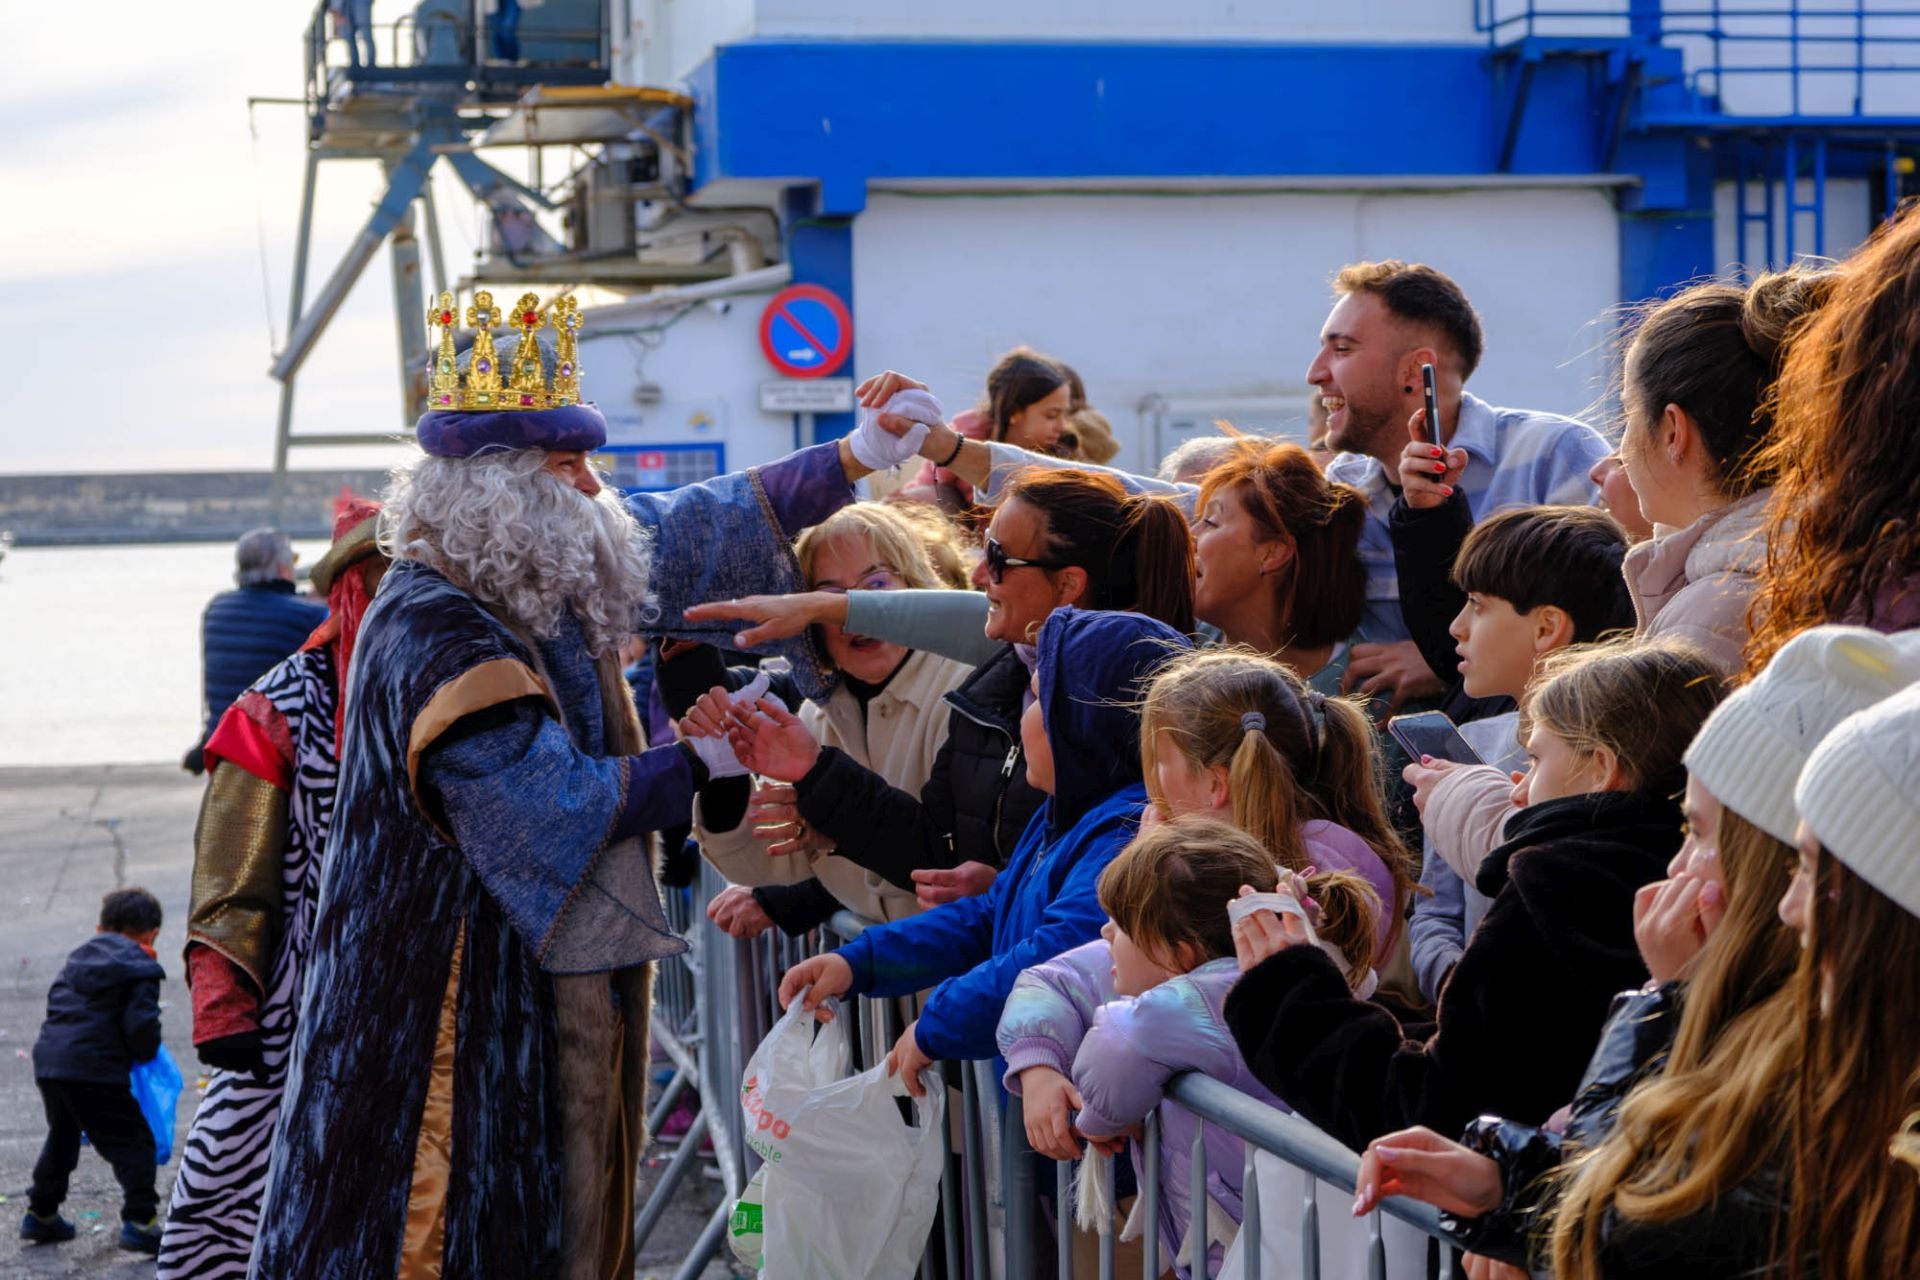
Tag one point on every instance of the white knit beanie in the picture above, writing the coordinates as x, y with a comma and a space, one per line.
1750, 752
1860, 795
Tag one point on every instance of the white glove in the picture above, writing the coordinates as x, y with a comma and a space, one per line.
717, 753
750, 693
876, 447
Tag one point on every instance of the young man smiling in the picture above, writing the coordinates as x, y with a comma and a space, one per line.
1388, 319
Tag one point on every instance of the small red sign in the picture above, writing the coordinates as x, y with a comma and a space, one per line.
806, 331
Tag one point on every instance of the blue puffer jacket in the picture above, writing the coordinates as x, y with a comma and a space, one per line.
1093, 669
245, 633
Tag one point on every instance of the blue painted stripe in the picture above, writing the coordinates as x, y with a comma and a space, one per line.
844, 113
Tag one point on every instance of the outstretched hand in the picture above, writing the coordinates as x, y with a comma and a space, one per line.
775, 617
772, 742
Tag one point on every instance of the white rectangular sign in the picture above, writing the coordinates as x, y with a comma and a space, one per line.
807, 395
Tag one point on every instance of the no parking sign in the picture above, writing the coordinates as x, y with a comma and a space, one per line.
806, 331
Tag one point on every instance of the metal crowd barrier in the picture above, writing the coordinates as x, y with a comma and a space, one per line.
714, 1005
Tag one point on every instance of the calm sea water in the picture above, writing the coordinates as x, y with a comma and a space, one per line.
100, 650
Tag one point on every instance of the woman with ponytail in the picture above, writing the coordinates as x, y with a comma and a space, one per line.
1059, 538
1240, 737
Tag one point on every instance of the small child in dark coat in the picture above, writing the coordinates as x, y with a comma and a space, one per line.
103, 1017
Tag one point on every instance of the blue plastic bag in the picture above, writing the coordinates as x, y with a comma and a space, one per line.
156, 1087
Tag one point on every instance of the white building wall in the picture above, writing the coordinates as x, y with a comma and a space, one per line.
1209, 297
1396, 21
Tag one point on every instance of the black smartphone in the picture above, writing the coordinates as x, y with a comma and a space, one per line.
1430, 733
1433, 404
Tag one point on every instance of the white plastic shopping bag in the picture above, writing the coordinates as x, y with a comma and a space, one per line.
850, 1187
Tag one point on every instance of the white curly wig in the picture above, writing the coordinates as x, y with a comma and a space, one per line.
522, 539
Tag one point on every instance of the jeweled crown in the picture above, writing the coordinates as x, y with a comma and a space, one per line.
525, 386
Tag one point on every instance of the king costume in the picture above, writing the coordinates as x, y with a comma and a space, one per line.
467, 1093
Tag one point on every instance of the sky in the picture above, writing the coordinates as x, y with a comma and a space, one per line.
150, 231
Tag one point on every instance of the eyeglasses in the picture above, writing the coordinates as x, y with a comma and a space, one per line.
872, 580
998, 561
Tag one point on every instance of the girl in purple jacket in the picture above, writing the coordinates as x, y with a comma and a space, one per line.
1103, 1028
1237, 736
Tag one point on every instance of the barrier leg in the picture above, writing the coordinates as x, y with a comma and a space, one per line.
1197, 1203
1017, 1178
708, 1245
1150, 1198
675, 1173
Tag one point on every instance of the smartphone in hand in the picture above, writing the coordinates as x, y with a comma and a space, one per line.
1433, 403
1431, 733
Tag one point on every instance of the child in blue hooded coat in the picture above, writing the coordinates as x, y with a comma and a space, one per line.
1082, 737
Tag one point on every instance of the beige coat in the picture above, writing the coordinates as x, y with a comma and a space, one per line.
905, 726
1696, 583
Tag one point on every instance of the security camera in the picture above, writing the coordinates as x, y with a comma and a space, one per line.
720, 306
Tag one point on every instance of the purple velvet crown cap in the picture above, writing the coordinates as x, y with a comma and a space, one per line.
456, 434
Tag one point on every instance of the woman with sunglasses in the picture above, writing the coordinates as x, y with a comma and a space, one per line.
1064, 537
886, 713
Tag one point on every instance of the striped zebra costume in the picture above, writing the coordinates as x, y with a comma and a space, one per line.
271, 804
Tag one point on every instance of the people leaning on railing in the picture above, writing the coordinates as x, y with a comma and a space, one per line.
1092, 1037
887, 714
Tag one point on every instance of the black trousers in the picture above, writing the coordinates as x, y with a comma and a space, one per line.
107, 1114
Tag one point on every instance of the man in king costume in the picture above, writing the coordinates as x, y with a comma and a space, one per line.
466, 1098
272, 763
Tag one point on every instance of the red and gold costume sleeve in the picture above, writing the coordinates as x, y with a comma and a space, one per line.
239, 848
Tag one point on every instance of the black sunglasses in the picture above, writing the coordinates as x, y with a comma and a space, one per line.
998, 561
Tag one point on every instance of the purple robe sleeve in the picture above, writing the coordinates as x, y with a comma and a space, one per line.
544, 825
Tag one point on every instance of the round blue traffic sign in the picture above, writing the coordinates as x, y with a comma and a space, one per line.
806, 331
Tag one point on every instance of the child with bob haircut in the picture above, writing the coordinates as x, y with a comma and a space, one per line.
1238, 736
1101, 1029
1516, 1024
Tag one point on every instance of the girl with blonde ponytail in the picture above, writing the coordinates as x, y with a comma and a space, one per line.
1234, 734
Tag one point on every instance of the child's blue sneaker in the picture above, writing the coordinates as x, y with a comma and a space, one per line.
141, 1237
45, 1230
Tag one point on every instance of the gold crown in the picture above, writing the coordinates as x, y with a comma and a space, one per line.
525, 385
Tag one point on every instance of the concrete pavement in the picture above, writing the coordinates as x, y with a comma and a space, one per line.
67, 836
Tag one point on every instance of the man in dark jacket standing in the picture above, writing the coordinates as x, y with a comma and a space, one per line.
103, 1017
246, 632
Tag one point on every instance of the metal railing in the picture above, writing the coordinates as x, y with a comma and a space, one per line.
714, 1005
1819, 54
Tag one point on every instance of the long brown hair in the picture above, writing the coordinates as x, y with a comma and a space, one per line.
1169, 887
1716, 1114
1311, 757
1842, 529
1713, 349
1019, 379
1322, 592
1854, 1206
1137, 549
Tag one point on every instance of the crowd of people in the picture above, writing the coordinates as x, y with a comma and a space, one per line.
1624, 986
